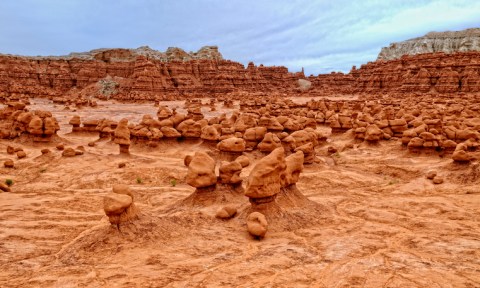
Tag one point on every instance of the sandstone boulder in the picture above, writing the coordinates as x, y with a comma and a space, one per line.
266, 177
232, 144
269, 143
201, 171
229, 173
257, 225
226, 212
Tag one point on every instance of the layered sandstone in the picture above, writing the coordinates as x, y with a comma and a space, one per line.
432, 73
447, 42
138, 74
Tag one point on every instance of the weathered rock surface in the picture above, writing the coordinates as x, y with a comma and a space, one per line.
447, 42
201, 171
135, 74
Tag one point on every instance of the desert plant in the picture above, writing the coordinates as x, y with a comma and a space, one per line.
9, 182
139, 180
43, 170
173, 182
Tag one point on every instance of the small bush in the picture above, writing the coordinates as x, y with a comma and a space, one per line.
139, 180
9, 182
173, 182
43, 170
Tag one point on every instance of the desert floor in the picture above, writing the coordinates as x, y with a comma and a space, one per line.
383, 223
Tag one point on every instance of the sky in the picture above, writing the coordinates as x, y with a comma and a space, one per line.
320, 36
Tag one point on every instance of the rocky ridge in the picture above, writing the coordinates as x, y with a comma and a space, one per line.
447, 42
139, 74
124, 54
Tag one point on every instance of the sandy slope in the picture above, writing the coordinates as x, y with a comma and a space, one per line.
384, 225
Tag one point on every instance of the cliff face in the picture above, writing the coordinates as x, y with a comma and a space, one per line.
426, 73
447, 42
145, 74
135, 74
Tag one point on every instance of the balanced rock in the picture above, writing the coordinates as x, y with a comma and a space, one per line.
119, 208
122, 136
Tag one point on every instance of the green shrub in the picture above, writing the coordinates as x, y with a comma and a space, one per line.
173, 182
9, 182
139, 180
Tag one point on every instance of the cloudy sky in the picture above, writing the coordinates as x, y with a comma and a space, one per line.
321, 36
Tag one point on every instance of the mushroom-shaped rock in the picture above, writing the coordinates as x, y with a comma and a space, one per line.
50, 126
308, 152
269, 143
164, 112
461, 156
294, 167
119, 208
170, 132
461, 153
232, 144
75, 122
257, 224
190, 128
122, 136
229, 172
373, 133
255, 133
122, 189
226, 212
35, 127
210, 133
265, 178
301, 137
201, 171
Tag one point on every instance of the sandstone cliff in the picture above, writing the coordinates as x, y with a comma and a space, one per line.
146, 74
138, 74
425, 73
447, 42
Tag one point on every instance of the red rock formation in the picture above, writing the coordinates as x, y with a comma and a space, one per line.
146, 74
433, 72
131, 75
